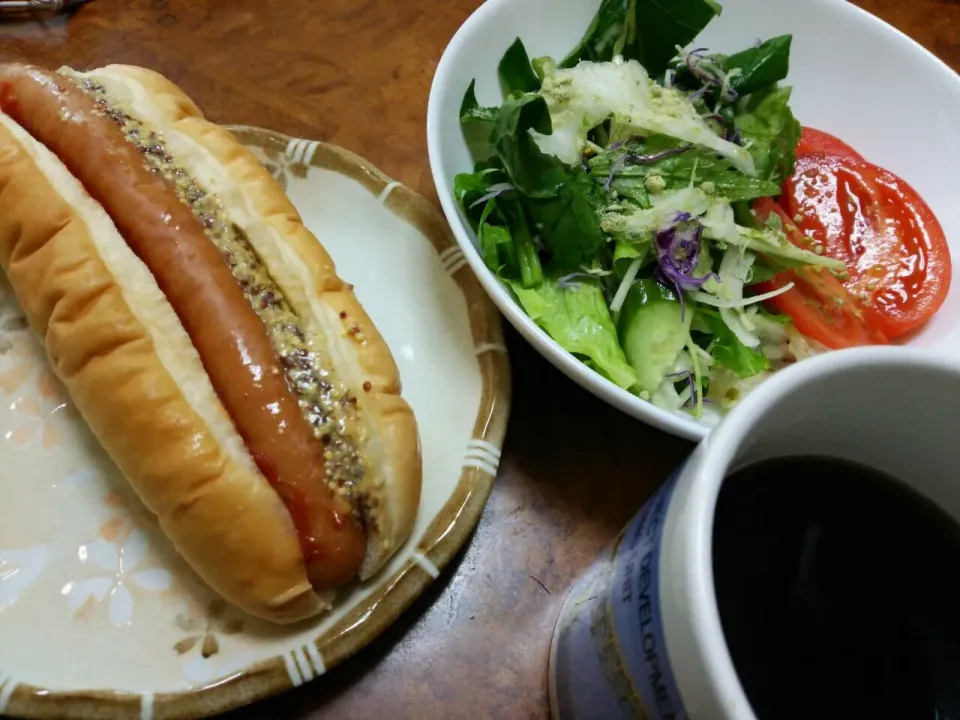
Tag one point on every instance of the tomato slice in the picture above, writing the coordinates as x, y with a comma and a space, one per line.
818, 303
818, 141
895, 249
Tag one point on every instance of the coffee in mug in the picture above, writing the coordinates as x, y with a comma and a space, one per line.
804, 562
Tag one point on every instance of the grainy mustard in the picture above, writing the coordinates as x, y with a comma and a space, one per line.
329, 407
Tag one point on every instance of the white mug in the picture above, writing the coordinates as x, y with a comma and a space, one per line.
639, 635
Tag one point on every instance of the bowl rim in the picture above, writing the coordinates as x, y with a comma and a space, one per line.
588, 378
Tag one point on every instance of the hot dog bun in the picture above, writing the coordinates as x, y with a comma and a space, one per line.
136, 377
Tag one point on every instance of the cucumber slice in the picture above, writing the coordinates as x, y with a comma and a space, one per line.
652, 331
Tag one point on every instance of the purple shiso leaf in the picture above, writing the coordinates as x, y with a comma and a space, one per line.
697, 94
492, 192
691, 381
678, 253
692, 401
697, 72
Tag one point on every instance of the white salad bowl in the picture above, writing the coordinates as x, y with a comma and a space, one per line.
853, 76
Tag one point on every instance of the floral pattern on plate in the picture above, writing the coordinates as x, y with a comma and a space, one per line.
18, 569
120, 570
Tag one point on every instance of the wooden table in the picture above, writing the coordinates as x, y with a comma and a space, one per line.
357, 73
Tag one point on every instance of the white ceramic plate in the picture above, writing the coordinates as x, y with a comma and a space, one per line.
99, 618
853, 76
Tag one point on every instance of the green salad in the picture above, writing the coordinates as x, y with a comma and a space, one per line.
612, 196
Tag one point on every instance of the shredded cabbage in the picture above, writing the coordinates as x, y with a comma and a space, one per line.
719, 224
707, 299
628, 277
774, 243
667, 397
769, 330
734, 270
727, 389
582, 97
633, 222
716, 216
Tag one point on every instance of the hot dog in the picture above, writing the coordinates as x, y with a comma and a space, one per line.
285, 387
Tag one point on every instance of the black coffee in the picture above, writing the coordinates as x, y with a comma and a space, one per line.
839, 593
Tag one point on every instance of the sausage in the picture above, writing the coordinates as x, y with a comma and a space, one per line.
230, 339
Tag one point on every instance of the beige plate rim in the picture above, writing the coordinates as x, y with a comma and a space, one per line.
447, 532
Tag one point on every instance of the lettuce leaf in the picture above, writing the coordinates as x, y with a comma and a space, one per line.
577, 317
531, 171
758, 68
770, 132
569, 222
645, 30
516, 74
729, 351
563, 201
581, 98
504, 237
472, 112
676, 172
